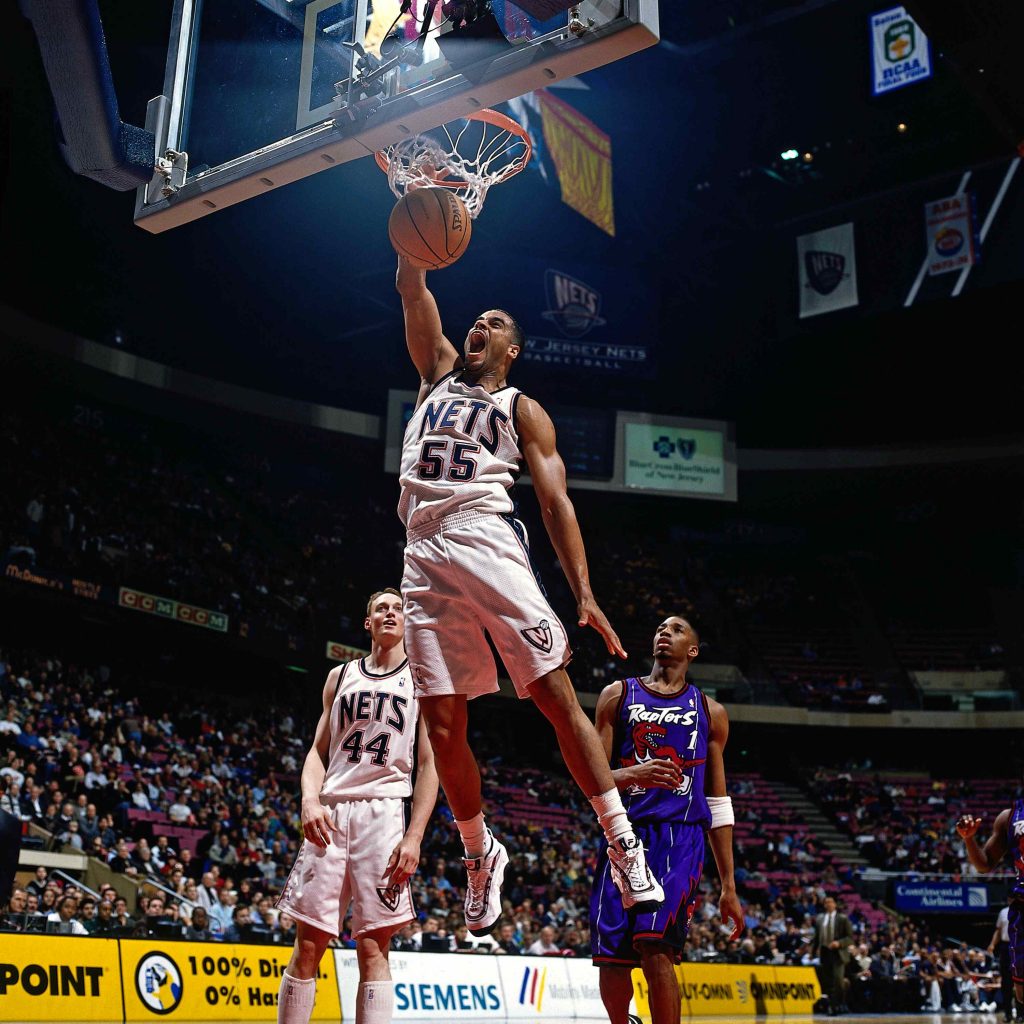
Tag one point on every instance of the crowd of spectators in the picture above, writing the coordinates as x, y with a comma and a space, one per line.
245, 528
236, 530
103, 773
898, 823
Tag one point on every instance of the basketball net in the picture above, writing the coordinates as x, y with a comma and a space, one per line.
487, 149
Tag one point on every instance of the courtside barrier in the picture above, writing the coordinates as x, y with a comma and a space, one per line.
60, 978
54, 977
200, 981
735, 990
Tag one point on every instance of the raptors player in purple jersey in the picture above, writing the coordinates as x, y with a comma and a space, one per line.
1007, 836
665, 741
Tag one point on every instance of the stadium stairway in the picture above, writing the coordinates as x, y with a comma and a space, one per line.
812, 814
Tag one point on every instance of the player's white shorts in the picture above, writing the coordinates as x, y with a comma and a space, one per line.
323, 882
465, 574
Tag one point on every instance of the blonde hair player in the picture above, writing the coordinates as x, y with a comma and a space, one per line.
468, 575
358, 851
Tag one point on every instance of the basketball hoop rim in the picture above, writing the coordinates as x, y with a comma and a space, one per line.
488, 116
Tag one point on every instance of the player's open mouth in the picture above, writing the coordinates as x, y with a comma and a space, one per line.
477, 342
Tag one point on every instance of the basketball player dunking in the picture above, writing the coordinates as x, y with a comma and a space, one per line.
356, 781
468, 574
1007, 835
666, 740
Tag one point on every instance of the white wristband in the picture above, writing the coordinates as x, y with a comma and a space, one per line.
721, 811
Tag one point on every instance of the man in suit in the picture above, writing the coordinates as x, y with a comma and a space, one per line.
831, 943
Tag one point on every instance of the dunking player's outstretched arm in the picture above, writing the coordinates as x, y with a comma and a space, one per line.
316, 823
432, 353
405, 857
721, 837
988, 857
658, 771
537, 438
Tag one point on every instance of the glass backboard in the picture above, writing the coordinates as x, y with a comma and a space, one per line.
261, 93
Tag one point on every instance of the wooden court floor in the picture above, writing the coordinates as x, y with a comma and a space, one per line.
867, 1018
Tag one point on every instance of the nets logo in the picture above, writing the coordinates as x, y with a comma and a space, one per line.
825, 270
531, 992
158, 983
574, 307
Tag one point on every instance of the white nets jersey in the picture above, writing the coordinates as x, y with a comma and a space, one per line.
460, 454
373, 734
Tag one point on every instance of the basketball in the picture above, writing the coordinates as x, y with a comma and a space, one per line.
430, 227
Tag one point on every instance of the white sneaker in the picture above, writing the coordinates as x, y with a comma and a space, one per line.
632, 876
483, 887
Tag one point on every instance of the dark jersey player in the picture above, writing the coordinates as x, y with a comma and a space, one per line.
1007, 836
665, 740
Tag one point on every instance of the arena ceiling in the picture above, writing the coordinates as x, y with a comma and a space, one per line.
261, 293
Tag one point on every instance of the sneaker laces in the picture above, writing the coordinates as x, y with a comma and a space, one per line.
634, 869
476, 885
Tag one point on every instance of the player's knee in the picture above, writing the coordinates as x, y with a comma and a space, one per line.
555, 697
656, 955
372, 953
446, 722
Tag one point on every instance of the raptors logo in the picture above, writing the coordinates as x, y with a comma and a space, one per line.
649, 744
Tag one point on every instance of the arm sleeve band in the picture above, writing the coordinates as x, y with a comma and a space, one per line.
721, 811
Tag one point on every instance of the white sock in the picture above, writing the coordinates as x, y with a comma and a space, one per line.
474, 836
295, 1000
611, 814
375, 1002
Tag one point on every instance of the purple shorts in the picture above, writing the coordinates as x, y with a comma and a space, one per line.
1017, 941
675, 855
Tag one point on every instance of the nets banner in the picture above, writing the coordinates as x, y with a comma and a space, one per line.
582, 155
168, 608
827, 264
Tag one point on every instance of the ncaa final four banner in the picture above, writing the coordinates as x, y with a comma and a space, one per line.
900, 51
